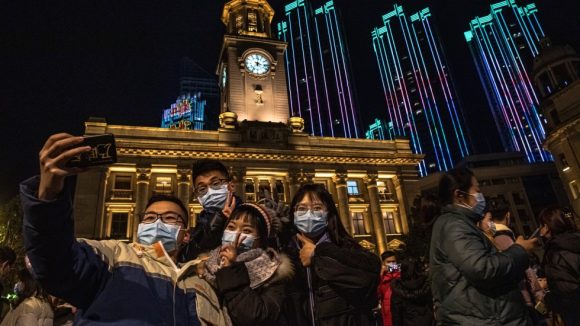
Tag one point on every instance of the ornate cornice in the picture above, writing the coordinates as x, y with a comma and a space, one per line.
269, 157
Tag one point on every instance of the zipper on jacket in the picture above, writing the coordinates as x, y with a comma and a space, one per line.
311, 294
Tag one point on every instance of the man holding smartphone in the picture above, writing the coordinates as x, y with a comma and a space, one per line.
110, 281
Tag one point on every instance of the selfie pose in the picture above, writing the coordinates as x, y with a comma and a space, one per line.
245, 272
336, 279
111, 282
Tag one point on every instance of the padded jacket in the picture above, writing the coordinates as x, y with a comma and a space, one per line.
339, 288
111, 282
473, 283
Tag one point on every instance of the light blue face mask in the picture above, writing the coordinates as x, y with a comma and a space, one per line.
247, 243
311, 223
479, 206
214, 198
151, 233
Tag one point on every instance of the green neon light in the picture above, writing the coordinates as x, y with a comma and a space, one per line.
468, 36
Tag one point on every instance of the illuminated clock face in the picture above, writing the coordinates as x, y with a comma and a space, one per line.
257, 64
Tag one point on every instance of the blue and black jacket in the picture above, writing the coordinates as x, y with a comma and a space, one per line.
111, 282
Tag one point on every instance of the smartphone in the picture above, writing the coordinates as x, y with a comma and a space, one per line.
535, 233
103, 151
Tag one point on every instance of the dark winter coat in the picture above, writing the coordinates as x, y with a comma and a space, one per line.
473, 283
251, 291
562, 266
110, 281
411, 302
344, 283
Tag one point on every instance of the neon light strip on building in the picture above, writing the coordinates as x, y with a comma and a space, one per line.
501, 43
319, 79
419, 93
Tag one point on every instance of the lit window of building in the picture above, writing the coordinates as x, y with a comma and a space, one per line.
352, 188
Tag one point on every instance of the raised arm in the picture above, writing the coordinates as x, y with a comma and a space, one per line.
66, 268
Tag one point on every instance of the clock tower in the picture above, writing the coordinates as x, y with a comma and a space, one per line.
251, 66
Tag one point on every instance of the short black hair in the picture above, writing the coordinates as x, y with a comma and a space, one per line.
173, 199
206, 165
387, 254
7, 254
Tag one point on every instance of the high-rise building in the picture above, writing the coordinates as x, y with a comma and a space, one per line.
378, 130
420, 96
320, 85
196, 80
187, 113
503, 45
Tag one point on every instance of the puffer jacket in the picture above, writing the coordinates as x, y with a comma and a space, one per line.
339, 288
411, 302
562, 266
32, 311
251, 291
385, 293
473, 283
111, 282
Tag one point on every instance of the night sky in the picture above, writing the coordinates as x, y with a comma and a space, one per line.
62, 62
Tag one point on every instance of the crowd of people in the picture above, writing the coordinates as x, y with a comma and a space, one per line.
268, 263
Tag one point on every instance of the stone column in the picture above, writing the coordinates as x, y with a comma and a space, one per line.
375, 209
400, 191
141, 195
184, 188
340, 181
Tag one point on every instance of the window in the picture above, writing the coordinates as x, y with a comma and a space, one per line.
123, 182
163, 185
389, 222
575, 189
564, 162
555, 117
352, 188
562, 75
119, 225
252, 21
280, 190
358, 223
249, 190
264, 189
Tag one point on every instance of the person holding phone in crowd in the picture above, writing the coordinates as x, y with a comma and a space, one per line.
562, 262
246, 277
472, 282
336, 279
111, 282
389, 271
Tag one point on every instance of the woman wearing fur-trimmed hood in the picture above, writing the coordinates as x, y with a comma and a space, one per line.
244, 282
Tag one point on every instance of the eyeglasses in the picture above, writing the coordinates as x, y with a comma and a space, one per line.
168, 218
215, 184
316, 209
